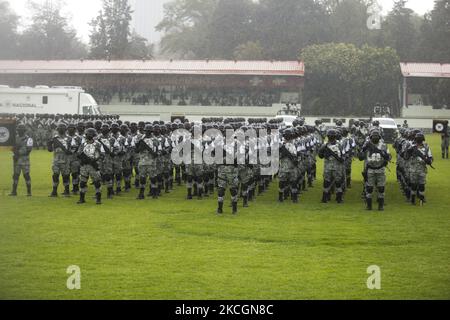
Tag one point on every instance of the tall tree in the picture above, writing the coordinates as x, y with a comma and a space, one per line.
110, 32
400, 31
342, 79
249, 51
287, 26
231, 25
49, 36
8, 31
440, 31
185, 28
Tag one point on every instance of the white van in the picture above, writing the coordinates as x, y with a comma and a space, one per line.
46, 100
390, 128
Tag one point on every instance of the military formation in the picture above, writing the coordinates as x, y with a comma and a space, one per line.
108, 153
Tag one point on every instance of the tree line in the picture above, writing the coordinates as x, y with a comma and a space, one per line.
50, 35
350, 65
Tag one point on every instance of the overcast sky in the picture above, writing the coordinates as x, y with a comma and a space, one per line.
83, 11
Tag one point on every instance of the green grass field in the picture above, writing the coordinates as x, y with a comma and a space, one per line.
174, 249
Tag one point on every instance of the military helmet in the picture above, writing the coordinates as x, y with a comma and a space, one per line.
91, 133
375, 133
148, 128
332, 133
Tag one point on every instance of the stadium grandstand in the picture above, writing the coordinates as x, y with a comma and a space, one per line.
424, 94
170, 89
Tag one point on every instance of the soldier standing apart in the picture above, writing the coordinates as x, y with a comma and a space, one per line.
74, 162
147, 163
333, 154
228, 174
21, 157
445, 142
419, 156
60, 146
376, 155
288, 173
90, 153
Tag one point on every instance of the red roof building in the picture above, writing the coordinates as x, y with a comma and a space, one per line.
186, 67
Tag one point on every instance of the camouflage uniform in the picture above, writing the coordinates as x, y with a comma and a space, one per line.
90, 154
148, 165
333, 156
288, 172
376, 158
22, 149
445, 143
60, 146
419, 156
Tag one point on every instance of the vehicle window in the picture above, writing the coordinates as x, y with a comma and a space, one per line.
45, 100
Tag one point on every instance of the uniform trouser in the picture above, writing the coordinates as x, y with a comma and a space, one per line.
148, 170
444, 147
194, 174
107, 172
332, 177
117, 170
289, 180
61, 167
127, 170
228, 176
22, 165
86, 172
375, 179
75, 170
417, 182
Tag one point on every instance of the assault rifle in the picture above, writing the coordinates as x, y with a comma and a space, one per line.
330, 152
425, 159
58, 144
85, 160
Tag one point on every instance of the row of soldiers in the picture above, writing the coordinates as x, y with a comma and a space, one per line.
110, 152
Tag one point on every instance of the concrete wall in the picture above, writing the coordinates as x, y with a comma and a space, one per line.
425, 112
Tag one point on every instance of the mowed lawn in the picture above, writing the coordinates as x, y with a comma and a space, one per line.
176, 249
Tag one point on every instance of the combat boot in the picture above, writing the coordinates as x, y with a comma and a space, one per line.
98, 197
234, 205
141, 195
369, 204
195, 190
200, 194
14, 191
109, 193
66, 192
381, 204
29, 190
166, 187
155, 193
136, 183
127, 186
295, 197
82, 198
245, 201
118, 190
280, 196
325, 197
189, 194
54, 193
339, 197
260, 189
76, 189
220, 208
310, 183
